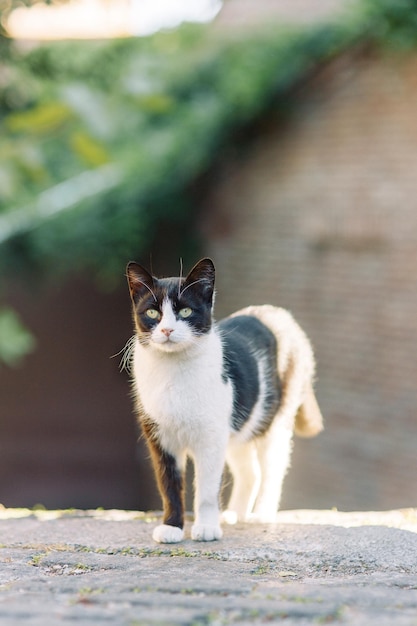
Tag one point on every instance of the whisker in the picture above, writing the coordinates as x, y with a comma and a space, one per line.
113, 356
179, 283
200, 280
147, 287
225, 333
127, 352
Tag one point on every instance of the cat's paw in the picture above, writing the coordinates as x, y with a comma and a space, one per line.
167, 534
205, 532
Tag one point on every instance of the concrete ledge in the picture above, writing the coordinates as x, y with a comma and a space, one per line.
310, 567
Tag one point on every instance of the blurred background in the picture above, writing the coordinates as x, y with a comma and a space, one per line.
278, 137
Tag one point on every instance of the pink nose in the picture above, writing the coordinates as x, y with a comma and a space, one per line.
167, 331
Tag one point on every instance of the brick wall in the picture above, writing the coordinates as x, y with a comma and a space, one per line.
319, 215
68, 436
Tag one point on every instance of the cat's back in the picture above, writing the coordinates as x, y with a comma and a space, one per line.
293, 346
245, 336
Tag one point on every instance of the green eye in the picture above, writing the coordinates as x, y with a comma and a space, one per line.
153, 314
185, 312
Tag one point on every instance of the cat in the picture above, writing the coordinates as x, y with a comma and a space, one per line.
233, 391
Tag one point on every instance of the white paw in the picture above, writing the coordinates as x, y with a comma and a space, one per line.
167, 534
230, 517
203, 532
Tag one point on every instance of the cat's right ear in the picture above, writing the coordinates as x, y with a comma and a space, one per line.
139, 281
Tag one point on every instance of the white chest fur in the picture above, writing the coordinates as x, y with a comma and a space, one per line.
183, 392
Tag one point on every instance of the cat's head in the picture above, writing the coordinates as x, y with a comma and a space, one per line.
172, 314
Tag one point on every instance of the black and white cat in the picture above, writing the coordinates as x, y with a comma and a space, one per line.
232, 391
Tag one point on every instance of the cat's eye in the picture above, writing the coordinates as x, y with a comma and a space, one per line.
153, 314
185, 312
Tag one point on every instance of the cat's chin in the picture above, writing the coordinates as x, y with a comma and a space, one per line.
170, 346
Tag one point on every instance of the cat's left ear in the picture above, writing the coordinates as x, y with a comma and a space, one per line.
201, 278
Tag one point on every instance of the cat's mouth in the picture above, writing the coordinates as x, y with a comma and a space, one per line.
168, 344
165, 340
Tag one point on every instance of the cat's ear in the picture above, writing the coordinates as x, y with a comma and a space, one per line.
201, 278
139, 281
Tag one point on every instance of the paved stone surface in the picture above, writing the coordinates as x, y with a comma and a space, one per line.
311, 567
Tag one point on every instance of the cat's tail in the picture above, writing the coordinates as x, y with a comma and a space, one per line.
308, 419
297, 391
296, 369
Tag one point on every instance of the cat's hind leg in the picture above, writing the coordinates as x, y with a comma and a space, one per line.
274, 454
242, 460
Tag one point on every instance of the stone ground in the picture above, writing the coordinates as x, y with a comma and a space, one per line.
311, 567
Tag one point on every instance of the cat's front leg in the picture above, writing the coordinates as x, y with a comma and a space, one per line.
170, 480
208, 531
208, 473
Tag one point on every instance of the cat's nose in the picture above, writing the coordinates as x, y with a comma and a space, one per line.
167, 331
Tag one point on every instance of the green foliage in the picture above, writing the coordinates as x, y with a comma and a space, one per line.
156, 110
40, 120
15, 340
392, 23
101, 140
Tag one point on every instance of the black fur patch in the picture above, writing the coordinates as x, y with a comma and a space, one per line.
245, 341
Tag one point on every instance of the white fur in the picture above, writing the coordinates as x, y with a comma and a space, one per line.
167, 534
178, 380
